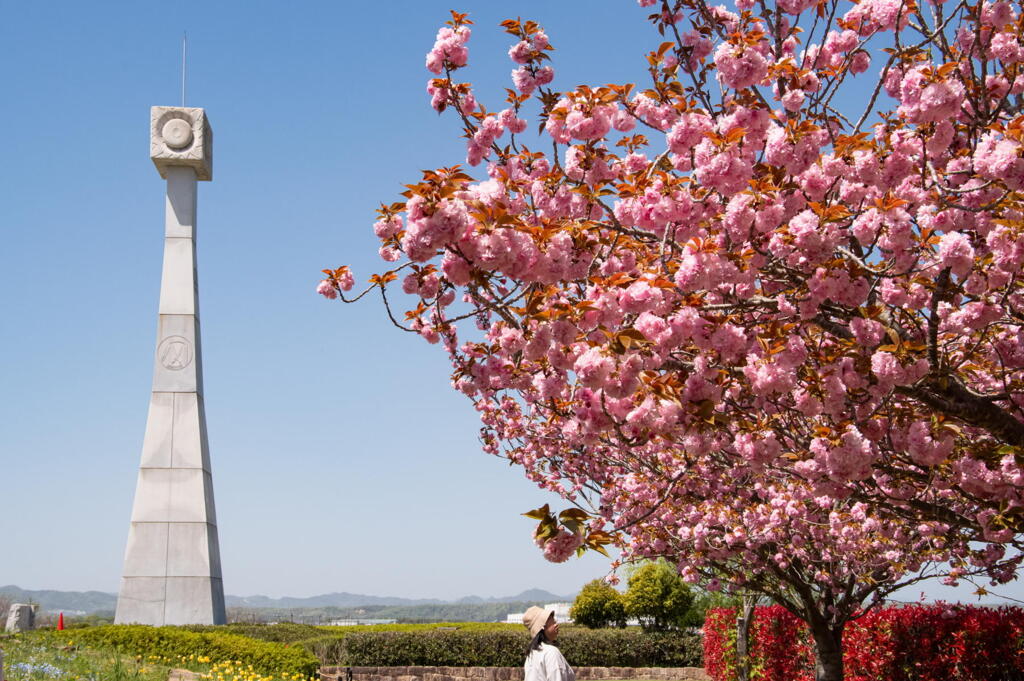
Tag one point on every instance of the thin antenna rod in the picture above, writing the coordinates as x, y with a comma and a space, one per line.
184, 52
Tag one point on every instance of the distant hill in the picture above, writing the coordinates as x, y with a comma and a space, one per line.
349, 600
67, 601
98, 601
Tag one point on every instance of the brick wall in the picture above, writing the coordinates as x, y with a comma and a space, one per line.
505, 673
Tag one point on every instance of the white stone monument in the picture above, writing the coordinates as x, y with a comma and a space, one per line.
21, 617
172, 561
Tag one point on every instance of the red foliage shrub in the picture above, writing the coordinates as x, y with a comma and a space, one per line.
906, 643
720, 643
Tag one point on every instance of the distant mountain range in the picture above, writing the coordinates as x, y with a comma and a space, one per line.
67, 601
347, 600
99, 601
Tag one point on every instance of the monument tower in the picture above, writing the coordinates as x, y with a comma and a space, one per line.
172, 562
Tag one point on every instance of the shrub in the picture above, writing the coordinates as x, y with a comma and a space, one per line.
326, 642
434, 648
598, 605
658, 596
630, 648
497, 648
907, 643
135, 639
284, 632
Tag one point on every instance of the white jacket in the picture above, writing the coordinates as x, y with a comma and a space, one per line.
547, 664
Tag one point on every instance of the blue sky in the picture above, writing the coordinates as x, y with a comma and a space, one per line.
342, 460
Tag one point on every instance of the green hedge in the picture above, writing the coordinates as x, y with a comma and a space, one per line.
297, 648
292, 632
504, 648
283, 632
134, 639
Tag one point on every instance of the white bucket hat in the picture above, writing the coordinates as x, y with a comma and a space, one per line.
536, 618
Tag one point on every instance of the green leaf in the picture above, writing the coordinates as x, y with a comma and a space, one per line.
539, 513
576, 514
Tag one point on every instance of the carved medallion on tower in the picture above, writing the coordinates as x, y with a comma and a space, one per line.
181, 136
174, 353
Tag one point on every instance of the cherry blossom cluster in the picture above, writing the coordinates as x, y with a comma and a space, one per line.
744, 319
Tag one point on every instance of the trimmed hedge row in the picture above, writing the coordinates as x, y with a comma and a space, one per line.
292, 632
904, 643
299, 648
282, 632
135, 639
496, 648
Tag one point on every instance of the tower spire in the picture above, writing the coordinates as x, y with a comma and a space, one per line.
184, 65
172, 569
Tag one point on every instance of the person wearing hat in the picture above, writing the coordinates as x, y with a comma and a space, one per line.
544, 662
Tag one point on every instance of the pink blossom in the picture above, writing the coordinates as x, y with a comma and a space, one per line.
688, 131
865, 227
730, 341
740, 68
793, 100
997, 14
956, 253
887, 368
521, 52
562, 546
867, 332
656, 115
1006, 48
795, 6
726, 171
924, 449
767, 378
850, 460
327, 289
511, 122
524, 81
653, 327
860, 61
387, 228
593, 368
450, 47
998, 158
927, 101
878, 15
623, 121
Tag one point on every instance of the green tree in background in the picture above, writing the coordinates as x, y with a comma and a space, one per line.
658, 597
599, 605
704, 600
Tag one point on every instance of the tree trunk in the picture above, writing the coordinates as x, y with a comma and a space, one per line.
828, 651
743, 639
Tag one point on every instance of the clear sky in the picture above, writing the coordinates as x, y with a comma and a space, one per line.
342, 460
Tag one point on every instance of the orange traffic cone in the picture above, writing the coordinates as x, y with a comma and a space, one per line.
60, 622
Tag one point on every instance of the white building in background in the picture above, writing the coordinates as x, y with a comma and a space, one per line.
561, 613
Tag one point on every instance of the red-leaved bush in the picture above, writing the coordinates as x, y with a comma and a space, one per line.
913, 643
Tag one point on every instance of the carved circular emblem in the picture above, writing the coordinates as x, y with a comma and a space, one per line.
174, 353
177, 133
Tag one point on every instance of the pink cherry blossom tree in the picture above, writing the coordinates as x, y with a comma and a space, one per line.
739, 316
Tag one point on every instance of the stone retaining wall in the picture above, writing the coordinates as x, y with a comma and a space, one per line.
505, 673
